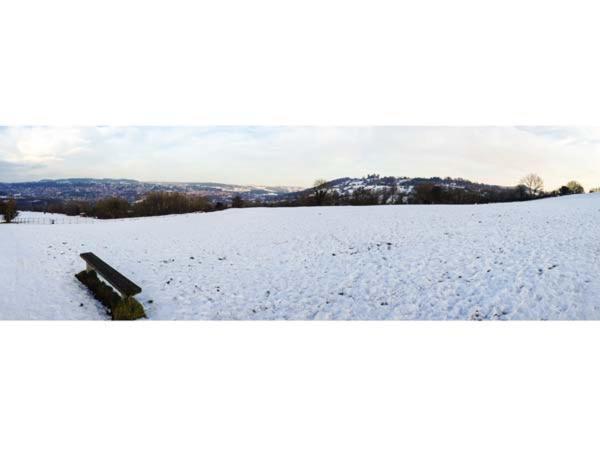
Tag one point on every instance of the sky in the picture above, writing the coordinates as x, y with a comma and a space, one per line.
296, 156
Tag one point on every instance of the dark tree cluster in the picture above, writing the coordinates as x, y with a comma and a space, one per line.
154, 204
430, 194
237, 202
572, 187
162, 203
8, 210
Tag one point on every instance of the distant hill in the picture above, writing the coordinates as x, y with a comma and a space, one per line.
93, 189
401, 186
395, 189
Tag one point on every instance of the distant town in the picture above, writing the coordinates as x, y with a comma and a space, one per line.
44, 193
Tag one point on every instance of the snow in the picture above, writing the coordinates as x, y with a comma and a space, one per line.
529, 260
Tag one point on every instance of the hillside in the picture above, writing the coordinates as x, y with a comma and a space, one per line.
375, 189
404, 184
528, 260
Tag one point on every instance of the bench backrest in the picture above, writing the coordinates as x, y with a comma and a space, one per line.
121, 283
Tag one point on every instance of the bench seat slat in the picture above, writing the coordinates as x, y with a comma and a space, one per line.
120, 282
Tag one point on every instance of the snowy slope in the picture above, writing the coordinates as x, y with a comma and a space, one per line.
402, 185
531, 260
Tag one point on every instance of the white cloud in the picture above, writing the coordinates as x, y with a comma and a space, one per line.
40, 145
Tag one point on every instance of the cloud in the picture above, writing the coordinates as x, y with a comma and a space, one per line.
40, 144
298, 155
568, 135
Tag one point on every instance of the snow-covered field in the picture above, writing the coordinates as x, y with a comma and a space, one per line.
531, 260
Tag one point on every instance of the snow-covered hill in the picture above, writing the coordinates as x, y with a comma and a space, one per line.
391, 190
530, 260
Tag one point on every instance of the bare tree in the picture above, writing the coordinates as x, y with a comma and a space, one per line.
533, 183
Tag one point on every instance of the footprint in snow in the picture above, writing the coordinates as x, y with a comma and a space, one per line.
476, 315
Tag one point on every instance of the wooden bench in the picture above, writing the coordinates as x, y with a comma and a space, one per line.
122, 284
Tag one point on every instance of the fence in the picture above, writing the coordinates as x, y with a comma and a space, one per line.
67, 220
53, 220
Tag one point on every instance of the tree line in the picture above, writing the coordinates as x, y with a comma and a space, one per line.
153, 204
